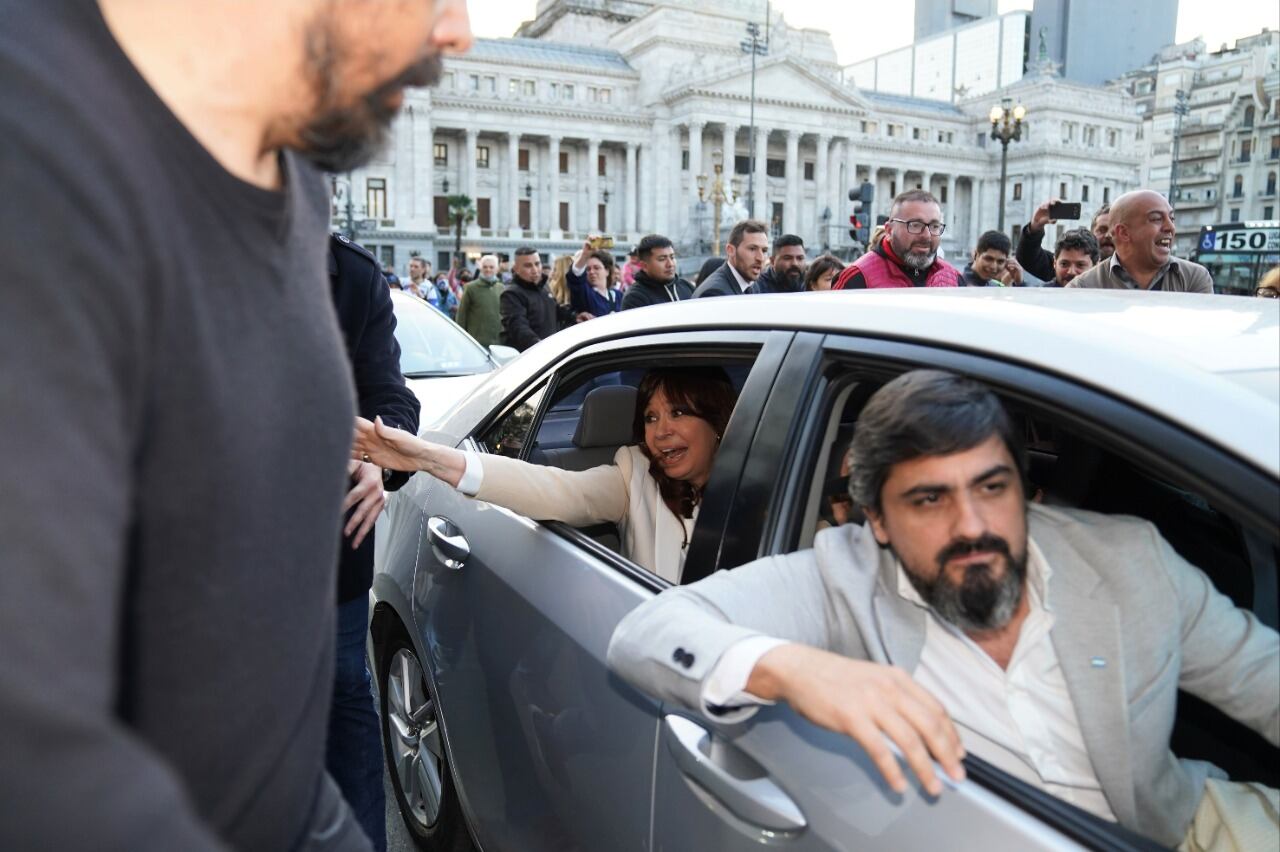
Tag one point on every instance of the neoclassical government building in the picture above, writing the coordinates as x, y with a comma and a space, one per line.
612, 115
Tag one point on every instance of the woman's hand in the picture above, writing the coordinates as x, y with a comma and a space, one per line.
396, 449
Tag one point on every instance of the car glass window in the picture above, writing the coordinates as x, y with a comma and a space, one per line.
508, 436
433, 345
1074, 466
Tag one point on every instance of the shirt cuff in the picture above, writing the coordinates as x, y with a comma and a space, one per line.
723, 689
472, 476
580, 271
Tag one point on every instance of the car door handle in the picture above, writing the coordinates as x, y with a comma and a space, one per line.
447, 542
738, 782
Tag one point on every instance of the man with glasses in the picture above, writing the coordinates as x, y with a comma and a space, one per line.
908, 254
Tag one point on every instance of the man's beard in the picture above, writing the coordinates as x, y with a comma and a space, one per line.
340, 137
794, 278
916, 261
980, 602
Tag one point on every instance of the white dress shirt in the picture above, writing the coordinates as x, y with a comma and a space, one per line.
1021, 719
742, 282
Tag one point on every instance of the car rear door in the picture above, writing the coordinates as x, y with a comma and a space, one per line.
550, 751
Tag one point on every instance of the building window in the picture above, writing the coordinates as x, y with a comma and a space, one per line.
441, 153
1246, 150
490, 85
606, 96
567, 91
513, 88
474, 80
915, 133
564, 162
446, 82
1275, 148
525, 211
1267, 212
482, 156
442, 213
1248, 117
483, 209
1017, 191
1235, 214
602, 218
1237, 187
1062, 190
808, 171
775, 219
564, 215
893, 189
684, 160
1084, 192
742, 165
593, 94
775, 168
601, 160
942, 193
1271, 186
555, 91
1113, 138
1106, 195
522, 159
530, 89
375, 198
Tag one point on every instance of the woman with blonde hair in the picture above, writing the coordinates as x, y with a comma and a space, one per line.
556, 282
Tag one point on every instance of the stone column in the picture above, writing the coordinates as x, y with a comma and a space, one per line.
629, 191
553, 188
695, 159
469, 185
822, 195
761, 210
975, 208
951, 198
424, 178
899, 184
512, 202
656, 180
593, 185
728, 149
791, 213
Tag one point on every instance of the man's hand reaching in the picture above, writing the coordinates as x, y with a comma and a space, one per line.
868, 702
367, 496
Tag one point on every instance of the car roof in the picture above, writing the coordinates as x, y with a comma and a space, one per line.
1208, 363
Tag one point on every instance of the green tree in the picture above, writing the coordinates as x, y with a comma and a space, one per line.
461, 212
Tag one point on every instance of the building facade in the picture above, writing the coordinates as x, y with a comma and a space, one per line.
935, 16
1228, 140
611, 115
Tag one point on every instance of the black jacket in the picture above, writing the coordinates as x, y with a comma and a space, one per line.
644, 291
770, 283
1033, 258
362, 301
722, 282
529, 313
969, 278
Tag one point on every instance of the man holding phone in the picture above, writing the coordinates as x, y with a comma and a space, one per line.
1037, 260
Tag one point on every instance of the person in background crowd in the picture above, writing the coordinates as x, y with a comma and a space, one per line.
990, 261
709, 266
745, 251
590, 282
1075, 253
876, 238
1143, 231
177, 465
558, 282
419, 283
526, 307
822, 272
1038, 261
908, 254
389, 276
479, 309
504, 270
656, 282
1269, 284
353, 754
785, 272
630, 268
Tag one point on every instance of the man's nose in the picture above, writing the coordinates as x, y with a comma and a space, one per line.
452, 30
967, 522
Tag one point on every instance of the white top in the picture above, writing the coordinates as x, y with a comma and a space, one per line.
742, 282
1021, 719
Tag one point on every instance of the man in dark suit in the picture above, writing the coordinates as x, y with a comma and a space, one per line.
745, 254
363, 303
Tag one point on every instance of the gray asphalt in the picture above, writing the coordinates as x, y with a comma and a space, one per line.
398, 839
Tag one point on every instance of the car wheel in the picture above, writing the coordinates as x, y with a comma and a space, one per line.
414, 745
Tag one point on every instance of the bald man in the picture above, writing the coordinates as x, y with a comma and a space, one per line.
1143, 230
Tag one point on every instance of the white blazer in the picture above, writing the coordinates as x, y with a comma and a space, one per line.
623, 493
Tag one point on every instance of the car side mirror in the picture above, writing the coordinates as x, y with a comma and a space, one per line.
502, 354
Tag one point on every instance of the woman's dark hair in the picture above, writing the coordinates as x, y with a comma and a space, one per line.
603, 256
704, 392
820, 267
709, 266
924, 413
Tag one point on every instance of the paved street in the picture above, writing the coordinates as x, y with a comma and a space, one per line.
398, 839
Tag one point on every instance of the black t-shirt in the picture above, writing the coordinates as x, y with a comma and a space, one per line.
176, 414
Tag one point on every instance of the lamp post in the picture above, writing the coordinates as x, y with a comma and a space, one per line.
715, 191
756, 46
340, 193
1006, 126
1181, 107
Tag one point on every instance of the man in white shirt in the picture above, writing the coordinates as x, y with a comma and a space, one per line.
959, 605
746, 252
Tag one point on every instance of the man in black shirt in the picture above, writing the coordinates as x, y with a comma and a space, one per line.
529, 312
177, 446
656, 282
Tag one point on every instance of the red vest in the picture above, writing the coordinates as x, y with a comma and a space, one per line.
879, 271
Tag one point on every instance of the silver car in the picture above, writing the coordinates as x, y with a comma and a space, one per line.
504, 727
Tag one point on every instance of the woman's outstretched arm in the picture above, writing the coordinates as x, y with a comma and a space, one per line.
396, 449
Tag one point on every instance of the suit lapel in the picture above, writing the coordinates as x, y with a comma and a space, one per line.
1086, 638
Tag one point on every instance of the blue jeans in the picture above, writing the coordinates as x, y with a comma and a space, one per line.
354, 753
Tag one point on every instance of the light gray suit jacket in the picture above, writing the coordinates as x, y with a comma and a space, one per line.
1119, 593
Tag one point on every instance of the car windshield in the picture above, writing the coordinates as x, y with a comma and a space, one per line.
433, 345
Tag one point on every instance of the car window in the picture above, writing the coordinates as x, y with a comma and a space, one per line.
1072, 464
508, 436
433, 345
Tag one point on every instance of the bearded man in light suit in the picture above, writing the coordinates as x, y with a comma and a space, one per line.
1056, 640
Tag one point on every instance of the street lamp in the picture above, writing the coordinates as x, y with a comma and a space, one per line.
341, 190
1006, 126
1181, 107
756, 46
717, 193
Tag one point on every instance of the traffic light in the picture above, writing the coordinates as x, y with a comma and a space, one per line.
861, 196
